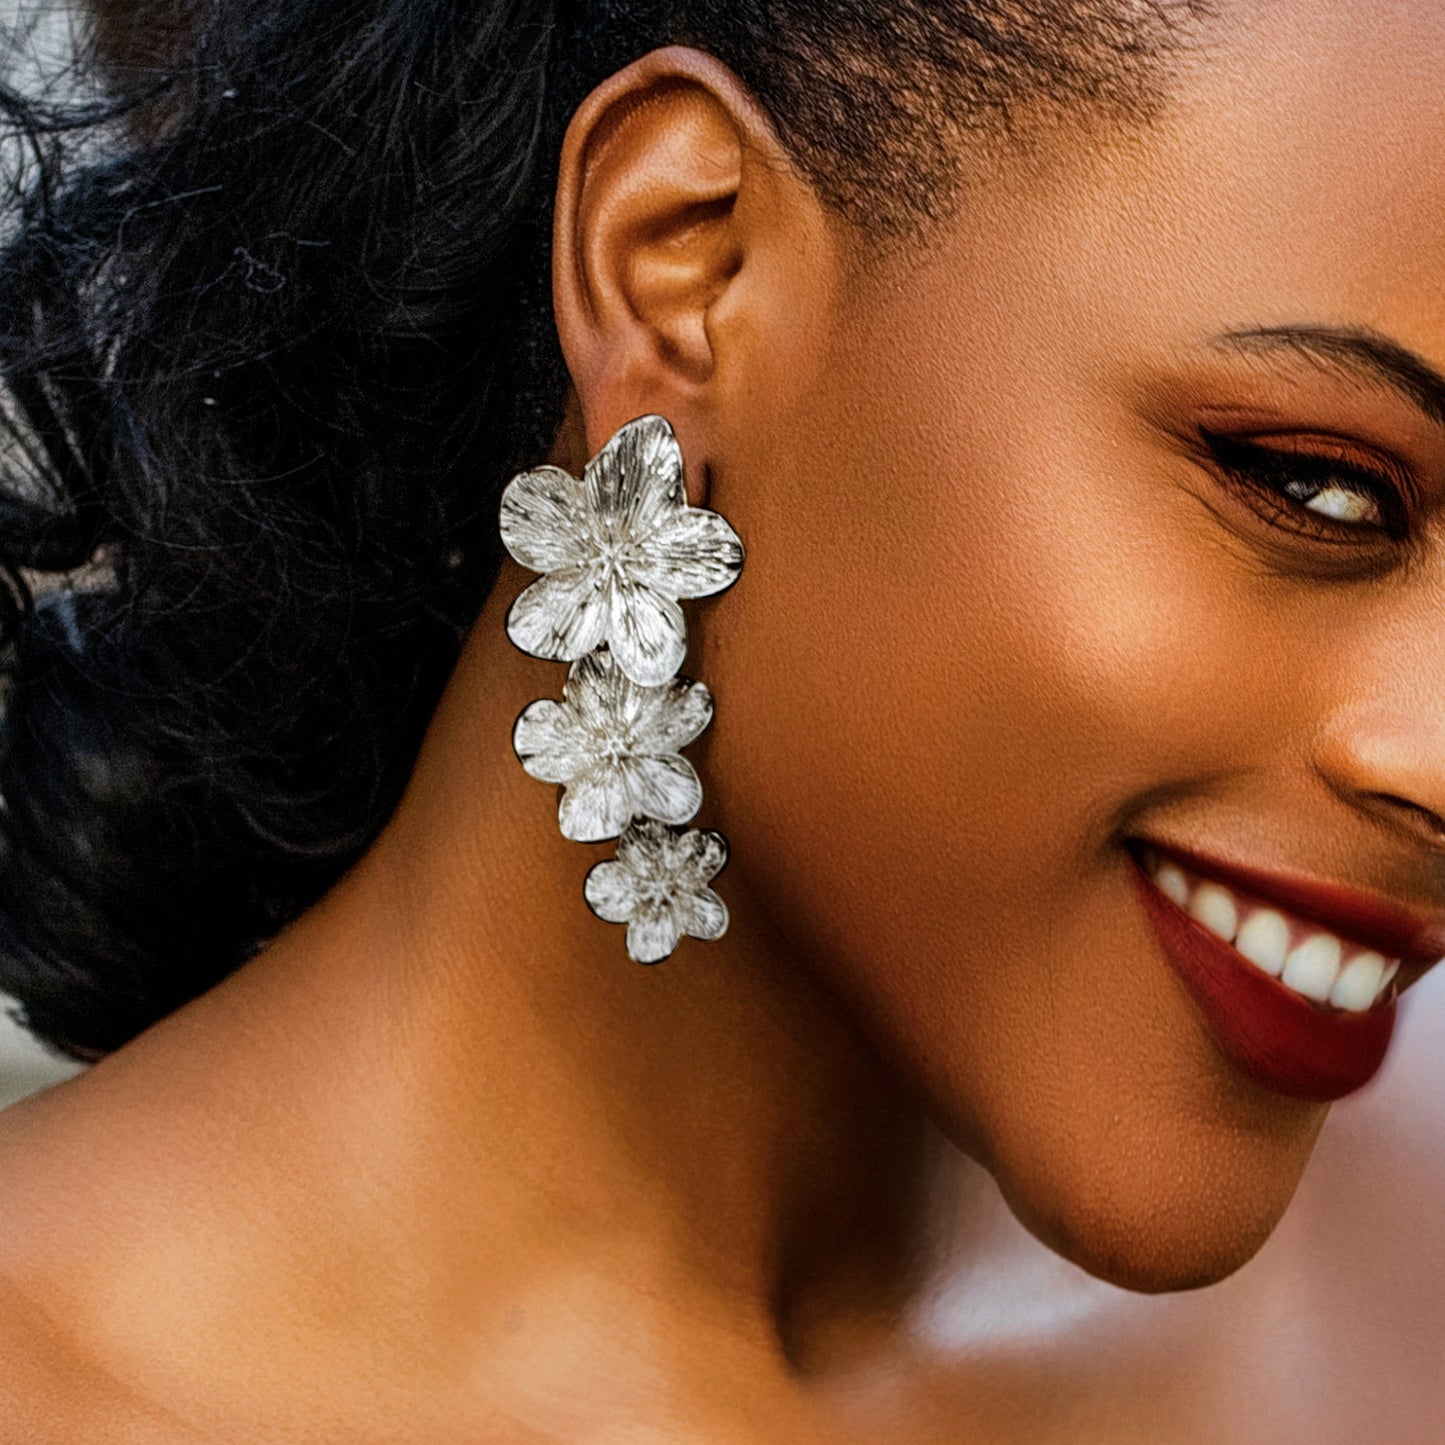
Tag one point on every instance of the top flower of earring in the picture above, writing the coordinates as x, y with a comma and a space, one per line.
618, 546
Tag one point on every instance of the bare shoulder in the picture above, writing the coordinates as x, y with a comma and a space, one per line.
51, 1394
51, 1388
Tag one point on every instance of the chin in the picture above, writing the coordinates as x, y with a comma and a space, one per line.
1164, 1265
1159, 1241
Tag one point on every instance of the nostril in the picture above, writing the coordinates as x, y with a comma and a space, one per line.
1425, 819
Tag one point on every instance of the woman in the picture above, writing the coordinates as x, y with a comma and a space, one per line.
1072, 375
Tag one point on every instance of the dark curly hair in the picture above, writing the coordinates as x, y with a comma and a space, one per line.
275, 328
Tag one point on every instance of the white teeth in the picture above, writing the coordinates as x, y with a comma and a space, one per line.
1214, 908
1264, 940
1359, 983
1173, 884
1313, 966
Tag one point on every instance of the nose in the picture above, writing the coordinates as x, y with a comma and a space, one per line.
1393, 773
1383, 749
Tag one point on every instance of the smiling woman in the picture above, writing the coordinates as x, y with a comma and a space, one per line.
1073, 736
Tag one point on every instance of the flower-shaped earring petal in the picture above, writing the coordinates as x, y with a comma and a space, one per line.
658, 886
618, 548
615, 746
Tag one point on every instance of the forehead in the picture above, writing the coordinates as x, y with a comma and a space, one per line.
1321, 123
1296, 172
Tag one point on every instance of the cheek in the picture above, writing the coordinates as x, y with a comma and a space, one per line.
962, 649
962, 652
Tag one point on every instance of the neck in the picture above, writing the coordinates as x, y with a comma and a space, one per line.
713, 1123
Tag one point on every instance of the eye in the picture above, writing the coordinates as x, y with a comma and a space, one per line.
1342, 503
1316, 487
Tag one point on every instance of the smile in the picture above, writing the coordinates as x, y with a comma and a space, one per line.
1310, 961
1295, 979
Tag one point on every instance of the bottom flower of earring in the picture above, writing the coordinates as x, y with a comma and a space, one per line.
658, 886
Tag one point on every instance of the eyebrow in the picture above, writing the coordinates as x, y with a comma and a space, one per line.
1364, 353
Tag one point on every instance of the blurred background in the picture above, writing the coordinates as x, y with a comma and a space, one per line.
24, 1065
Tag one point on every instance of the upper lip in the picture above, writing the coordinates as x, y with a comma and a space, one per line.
1415, 936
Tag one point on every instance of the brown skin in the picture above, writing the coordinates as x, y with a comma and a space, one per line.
442, 1164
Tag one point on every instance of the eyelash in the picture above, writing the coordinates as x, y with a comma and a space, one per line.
1268, 471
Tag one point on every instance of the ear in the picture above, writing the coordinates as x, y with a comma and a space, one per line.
685, 244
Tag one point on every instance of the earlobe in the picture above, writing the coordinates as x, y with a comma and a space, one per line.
649, 234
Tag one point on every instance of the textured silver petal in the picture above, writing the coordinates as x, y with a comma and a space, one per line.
611, 743
706, 857
691, 553
544, 520
704, 915
662, 866
653, 934
665, 788
647, 710
600, 693
684, 709
596, 805
549, 742
622, 713
646, 632
560, 616
645, 850
637, 476
611, 891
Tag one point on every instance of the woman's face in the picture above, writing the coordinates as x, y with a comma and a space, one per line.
1022, 586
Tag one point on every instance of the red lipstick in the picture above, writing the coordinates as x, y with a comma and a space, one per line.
1415, 936
1283, 1041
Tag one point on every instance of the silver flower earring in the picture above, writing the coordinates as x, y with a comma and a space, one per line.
617, 548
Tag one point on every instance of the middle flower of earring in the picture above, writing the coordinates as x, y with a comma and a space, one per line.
615, 746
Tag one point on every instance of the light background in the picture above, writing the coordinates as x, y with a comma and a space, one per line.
25, 1066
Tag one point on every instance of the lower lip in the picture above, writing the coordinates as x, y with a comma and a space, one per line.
1279, 1039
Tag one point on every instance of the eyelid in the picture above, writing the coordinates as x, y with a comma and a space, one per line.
1403, 444
1385, 478
1349, 452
